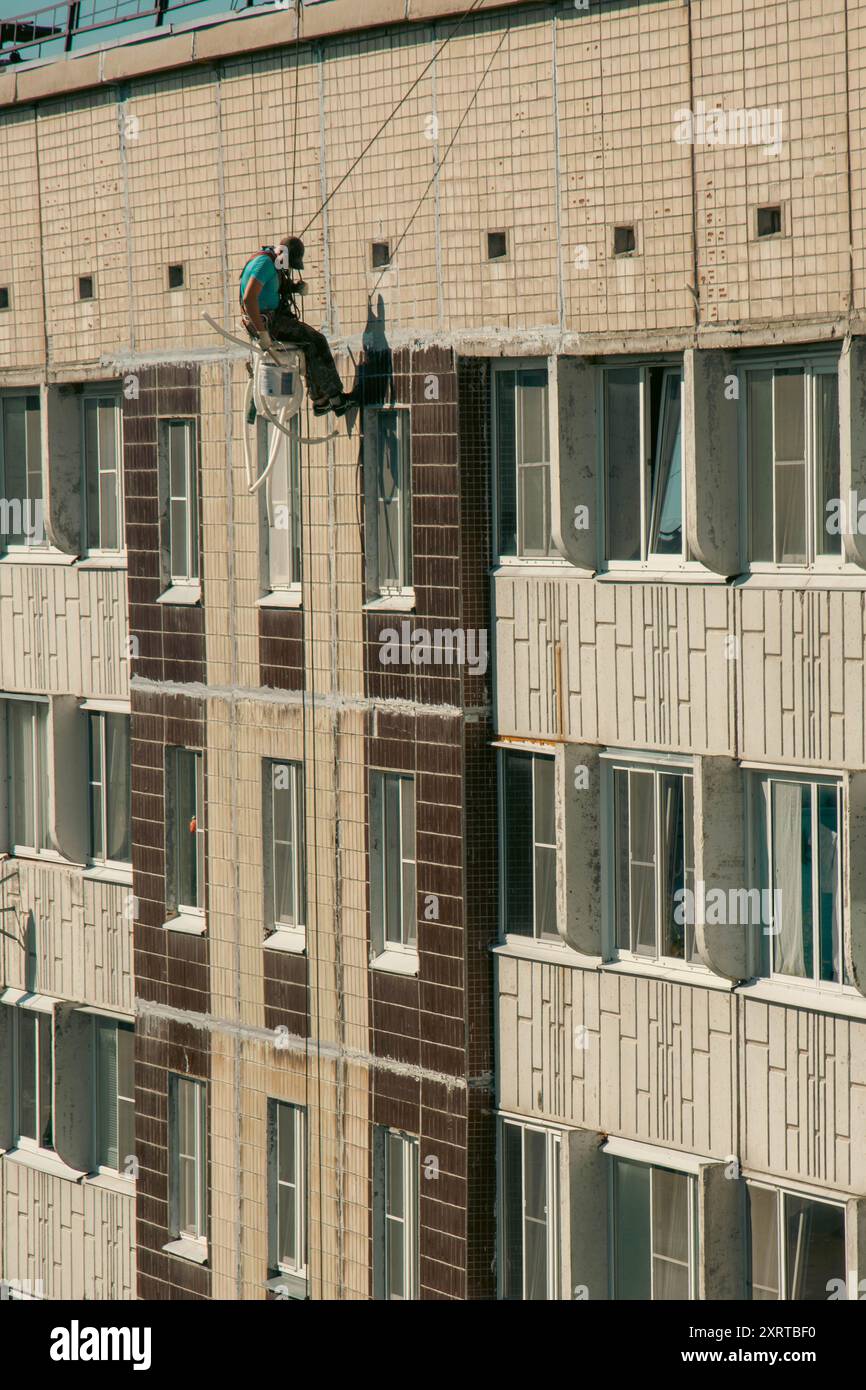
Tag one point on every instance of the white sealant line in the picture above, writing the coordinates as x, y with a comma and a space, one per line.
197, 690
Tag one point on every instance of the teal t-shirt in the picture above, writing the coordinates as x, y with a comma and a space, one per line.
263, 269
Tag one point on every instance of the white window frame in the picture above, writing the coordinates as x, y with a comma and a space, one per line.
498, 368
782, 1194
296, 792
120, 1098
297, 1192
659, 765
404, 587
390, 953
813, 365
766, 963
694, 1245
27, 547
103, 398
23, 1141
96, 718
410, 1220
189, 500
289, 458
647, 561
186, 910
516, 938
197, 1232
41, 785
553, 1192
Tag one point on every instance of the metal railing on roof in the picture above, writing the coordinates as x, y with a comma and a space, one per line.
56, 29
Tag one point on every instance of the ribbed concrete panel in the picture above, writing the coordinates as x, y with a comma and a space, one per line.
65, 630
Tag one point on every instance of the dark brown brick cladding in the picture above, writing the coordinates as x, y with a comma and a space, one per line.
281, 648
287, 1000
170, 637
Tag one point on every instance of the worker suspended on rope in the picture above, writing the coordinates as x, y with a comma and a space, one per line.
268, 292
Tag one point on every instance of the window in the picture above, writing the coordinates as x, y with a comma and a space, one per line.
521, 432
21, 507
529, 1208
281, 505
380, 253
86, 289
103, 473
185, 830
624, 240
114, 1091
396, 1160
642, 409
393, 900
109, 788
769, 221
285, 845
178, 480
527, 820
797, 1246
791, 446
5, 297
188, 1157
27, 754
175, 277
497, 246
389, 494
799, 858
651, 868
287, 1187
655, 1235
34, 1070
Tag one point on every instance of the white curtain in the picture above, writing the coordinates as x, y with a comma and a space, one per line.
788, 953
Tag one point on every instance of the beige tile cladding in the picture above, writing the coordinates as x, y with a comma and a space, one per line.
199, 166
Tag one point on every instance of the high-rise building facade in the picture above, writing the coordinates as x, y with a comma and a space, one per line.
435, 873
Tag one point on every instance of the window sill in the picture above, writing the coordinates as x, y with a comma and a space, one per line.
695, 975
840, 1000
185, 595
283, 939
391, 603
102, 562
647, 574
281, 598
396, 962
37, 557
188, 1249
552, 952
43, 857
44, 1161
112, 1182
848, 578
289, 1286
192, 923
516, 567
102, 873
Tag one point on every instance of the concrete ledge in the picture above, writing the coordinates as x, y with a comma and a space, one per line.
56, 79
134, 60
238, 37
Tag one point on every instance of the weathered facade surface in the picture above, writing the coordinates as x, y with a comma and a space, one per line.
680, 189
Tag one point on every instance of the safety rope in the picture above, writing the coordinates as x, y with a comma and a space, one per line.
388, 119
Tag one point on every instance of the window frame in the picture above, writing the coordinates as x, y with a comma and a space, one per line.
300, 1197
553, 1212
291, 451
99, 1023
667, 365
517, 938
26, 548
40, 1017
199, 1158
409, 1221
373, 460
499, 556
297, 793
407, 946
100, 716
190, 501
660, 765
102, 397
694, 1231
814, 364
40, 716
173, 899
766, 955
782, 1194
